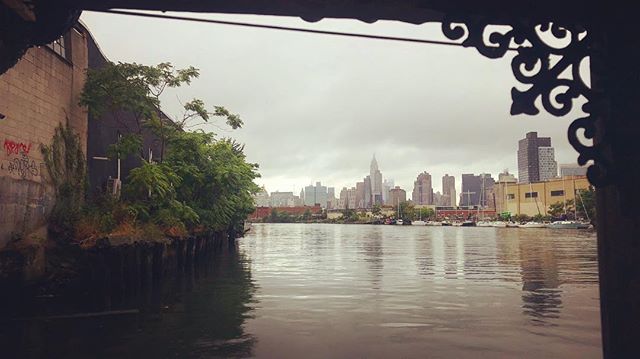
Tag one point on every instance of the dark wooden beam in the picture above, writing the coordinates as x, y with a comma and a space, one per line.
616, 105
412, 11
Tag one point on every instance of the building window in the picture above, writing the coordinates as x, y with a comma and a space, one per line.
511, 196
62, 47
531, 195
557, 193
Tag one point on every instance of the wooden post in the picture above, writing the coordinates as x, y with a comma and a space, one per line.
616, 83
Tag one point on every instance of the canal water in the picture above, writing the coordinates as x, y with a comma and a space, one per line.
360, 291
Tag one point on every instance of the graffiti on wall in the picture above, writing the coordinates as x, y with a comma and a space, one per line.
16, 148
22, 165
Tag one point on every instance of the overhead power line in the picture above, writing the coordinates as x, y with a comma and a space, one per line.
281, 28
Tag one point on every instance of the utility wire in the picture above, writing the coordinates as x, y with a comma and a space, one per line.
282, 28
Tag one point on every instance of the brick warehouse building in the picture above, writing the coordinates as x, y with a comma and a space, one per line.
36, 95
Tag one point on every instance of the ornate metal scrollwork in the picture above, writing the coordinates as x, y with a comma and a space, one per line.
548, 59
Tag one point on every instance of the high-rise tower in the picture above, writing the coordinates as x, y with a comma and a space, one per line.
531, 150
449, 190
376, 182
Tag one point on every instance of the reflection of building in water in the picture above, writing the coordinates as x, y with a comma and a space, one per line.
540, 280
423, 256
373, 256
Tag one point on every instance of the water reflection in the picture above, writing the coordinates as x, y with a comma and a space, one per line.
199, 318
540, 279
350, 291
398, 291
373, 251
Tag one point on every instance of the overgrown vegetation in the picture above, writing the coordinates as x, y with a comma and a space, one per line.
198, 183
66, 169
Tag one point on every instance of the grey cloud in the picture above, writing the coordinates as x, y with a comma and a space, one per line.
317, 107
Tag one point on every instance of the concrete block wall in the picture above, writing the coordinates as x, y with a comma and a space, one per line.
39, 93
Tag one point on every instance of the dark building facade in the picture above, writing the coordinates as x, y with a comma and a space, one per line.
106, 174
528, 159
476, 190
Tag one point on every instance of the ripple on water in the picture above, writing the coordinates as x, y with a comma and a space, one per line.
448, 291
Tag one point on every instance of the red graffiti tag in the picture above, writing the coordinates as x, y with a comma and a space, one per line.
16, 148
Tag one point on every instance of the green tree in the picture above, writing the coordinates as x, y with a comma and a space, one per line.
202, 183
560, 209
136, 89
407, 211
376, 210
425, 213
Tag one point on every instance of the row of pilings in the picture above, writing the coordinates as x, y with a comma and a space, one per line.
142, 274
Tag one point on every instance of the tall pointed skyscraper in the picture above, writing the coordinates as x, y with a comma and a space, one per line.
376, 182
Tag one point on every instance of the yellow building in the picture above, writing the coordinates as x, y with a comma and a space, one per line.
535, 198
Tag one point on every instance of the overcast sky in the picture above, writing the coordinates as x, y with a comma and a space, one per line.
317, 107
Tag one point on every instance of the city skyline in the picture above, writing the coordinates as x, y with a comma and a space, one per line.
319, 113
435, 180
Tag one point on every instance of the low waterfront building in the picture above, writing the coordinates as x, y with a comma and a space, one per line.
535, 198
262, 212
459, 213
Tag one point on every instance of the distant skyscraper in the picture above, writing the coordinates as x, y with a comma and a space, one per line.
422, 189
529, 157
282, 199
506, 177
315, 195
376, 182
572, 169
347, 198
387, 185
397, 195
359, 194
367, 192
471, 185
332, 201
548, 167
439, 199
449, 190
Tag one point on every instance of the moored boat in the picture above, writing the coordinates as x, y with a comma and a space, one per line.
568, 225
468, 224
533, 225
445, 224
418, 223
499, 224
484, 224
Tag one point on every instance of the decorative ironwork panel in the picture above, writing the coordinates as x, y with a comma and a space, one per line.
548, 59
